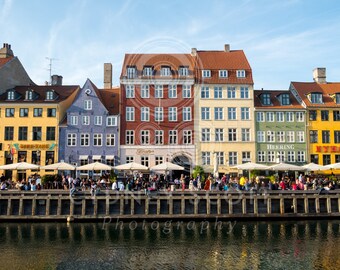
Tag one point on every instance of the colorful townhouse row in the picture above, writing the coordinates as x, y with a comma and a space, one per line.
192, 109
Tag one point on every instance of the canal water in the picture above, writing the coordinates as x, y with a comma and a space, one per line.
171, 245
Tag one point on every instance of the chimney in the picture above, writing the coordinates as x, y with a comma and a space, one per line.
107, 75
6, 51
227, 47
56, 80
319, 75
193, 52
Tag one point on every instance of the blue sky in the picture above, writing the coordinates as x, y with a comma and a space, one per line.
283, 40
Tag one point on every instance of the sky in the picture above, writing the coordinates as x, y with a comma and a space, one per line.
283, 40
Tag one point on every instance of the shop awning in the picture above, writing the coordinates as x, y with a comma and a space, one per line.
110, 157
83, 157
96, 157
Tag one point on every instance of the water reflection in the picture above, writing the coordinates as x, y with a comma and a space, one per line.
227, 245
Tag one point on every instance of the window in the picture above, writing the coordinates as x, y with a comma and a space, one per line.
205, 92
300, 136
159, 137
147, 71
205, 113
223, 73
312, 115
280, 117
73, 120
111, 121
172, 93
246, 157
337, 98
71, 139
37, 112
159, 114
219, 135
326, 159
232, 135
205, 135
206, 159
231, 113
23, 112
218, 92
324, 115
98, 120
50, 133
145, 137
165, 71
337, 158
265, 99
325, 136
130, 137
300, 117
87, 105
50, 95
316, 98
206, 73
86, 120
10, 95
145, 114
336, 136
129, 159
158, 91
131, 72
260, 116
130, 91
10, 112
280, 136
231, 92
270, 117
245, 113
183, 71
186, 113
187, 137
36, 134
220, 158
301, 156
172, 114
130, 113
97, 139
172, 136
336, 115
290, 117
51, 112
271, 156
314, 158
23, 133
261, 156
290, 156
261, 136
285, 100
244, 92
144, 161
9, 133
290, 136
158, 160
110, 161
84, 139
186, 91
313, 136
270, 136
245, 134
218, 113
110, 139
240, 73
145, 91
232, 158
281, 156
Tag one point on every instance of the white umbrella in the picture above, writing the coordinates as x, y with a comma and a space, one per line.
332, 166
250, 166
19, 166
61, 166
95, 166
285, 167
313, 167
167, 166
132, 166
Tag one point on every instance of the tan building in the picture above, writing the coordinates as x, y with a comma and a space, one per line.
224, 120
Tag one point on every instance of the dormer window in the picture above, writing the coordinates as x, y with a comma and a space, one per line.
50, 95
241, 73
11, 95
223, 73
29, 95
284, 99
337, 98
147, 71
206, 73
165, 71
265, 99
131, 72
183, 71
315, 98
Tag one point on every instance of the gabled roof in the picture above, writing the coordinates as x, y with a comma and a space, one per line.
4, 61
274, 98
327, 89
110, 99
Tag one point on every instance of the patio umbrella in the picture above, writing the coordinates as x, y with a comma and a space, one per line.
132, 166
167, 166
332, 166
95, 166
20, 166
285, 167
60, 166
250, 166
313, 167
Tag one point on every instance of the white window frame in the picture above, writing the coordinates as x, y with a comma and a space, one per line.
110, 139
145, 91
129, 137
206, 158
290, 136
145, 137
240, 73
271, 156
205, 113
219, 135
206, 73
270, 117
205, 92
159, 91
147, 71
130, 114
218, 113
223, 73
245, 113
232, 113
173, 138
244, 93
218, 92
260, 117
261, 156
270, 136
130, 90
165, 71
172, 91
261, 138
300, 116
74, 120
72, 139
98, 120
245, 134
172, 114
159, 137
87, 104
145, 114
159, 114
111, 121
85, 120
97, 139
186, 91
84, 139
183, 71
187, 114
205, 135
280, 136
187, 137
300, 136
280, 117
231, 92
290, 117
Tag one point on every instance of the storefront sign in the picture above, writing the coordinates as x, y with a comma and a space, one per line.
327, 149
145, 152
280, 146
34, 146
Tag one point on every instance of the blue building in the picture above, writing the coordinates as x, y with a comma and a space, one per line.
89, 131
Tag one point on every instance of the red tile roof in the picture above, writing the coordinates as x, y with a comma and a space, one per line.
274, 98
110, 99
4, 61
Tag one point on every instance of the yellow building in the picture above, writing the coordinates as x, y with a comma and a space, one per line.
224, 110
29, 124
322, 100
